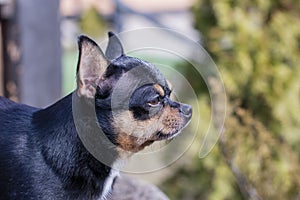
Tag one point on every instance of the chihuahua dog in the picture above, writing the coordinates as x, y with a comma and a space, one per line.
44, 153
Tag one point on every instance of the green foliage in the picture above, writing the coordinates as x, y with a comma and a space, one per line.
92, 24
256, 46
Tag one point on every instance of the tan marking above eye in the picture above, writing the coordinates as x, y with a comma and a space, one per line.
159, 89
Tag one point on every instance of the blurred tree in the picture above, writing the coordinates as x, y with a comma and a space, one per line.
268, 164
256, 45
92, 24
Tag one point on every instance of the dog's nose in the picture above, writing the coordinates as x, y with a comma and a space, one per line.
186, 110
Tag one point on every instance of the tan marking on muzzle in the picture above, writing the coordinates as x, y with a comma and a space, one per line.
172, 121
134, 135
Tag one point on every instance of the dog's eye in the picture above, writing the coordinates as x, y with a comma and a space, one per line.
154, 102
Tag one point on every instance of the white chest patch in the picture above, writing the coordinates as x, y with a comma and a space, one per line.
108, 183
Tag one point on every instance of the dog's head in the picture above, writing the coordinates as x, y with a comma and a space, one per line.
132, 97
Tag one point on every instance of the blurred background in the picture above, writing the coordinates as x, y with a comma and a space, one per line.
254, 43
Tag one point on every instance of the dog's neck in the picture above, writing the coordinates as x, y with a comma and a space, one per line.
63, 150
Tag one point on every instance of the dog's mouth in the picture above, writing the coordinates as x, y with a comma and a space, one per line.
169, 136
161, 136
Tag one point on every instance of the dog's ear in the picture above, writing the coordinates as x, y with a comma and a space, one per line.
114, 48
92, 64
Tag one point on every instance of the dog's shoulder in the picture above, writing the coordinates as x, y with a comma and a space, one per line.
15, 122
18, 153
7, 105
15, 119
